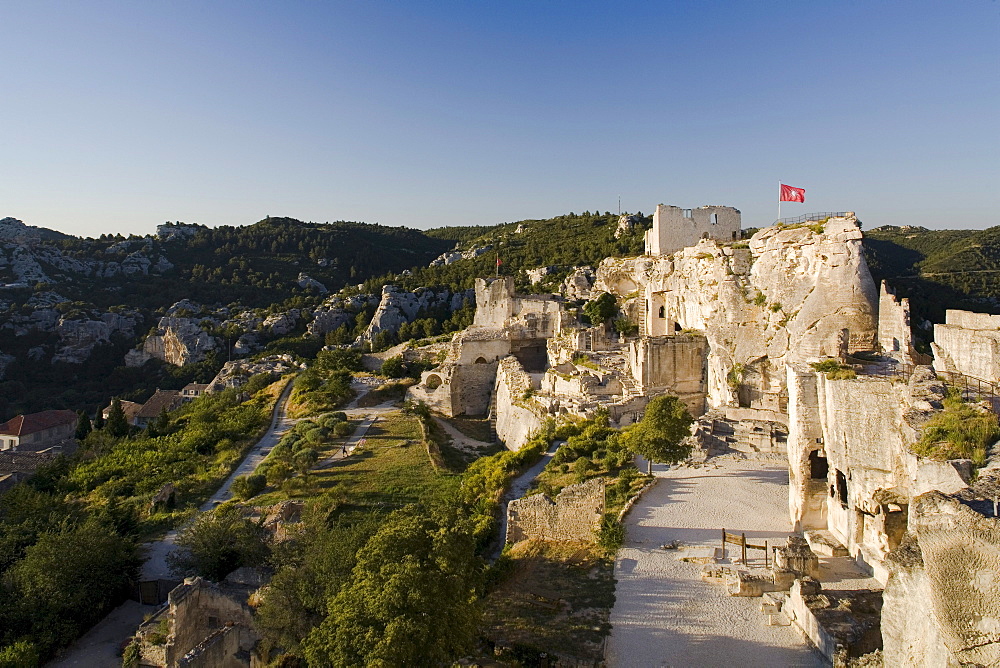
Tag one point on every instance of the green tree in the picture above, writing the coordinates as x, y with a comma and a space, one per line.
21, 654
68, 580
660, 435
602, 309
248, 486
394, 367
83, 426
219, 542
411, 599
117, 424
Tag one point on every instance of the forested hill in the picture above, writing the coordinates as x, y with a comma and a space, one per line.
938, 269
256, 265
562, 242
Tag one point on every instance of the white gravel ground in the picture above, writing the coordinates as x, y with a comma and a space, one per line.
664, 614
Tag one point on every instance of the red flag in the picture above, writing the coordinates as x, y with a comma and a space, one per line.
498, 262
790, 194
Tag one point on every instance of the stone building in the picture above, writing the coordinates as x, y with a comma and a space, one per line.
203, 625
675, 228
37, 431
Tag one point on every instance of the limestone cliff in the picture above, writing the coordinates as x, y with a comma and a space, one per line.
942, 600
179, 341
795, 294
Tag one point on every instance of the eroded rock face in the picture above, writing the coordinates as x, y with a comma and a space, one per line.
579, 284
14, 231
237, 372
281, 324
942, 599
306, 282
789, 297
179, 341
78, 337
398, 306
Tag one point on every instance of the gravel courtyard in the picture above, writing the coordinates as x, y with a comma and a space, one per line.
664, 614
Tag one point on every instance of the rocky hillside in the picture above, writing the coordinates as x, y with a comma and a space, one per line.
82, 318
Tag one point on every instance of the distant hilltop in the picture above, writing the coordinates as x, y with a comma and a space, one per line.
14, 231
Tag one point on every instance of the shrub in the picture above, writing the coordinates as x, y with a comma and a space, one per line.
960, 431
834, 370
248, 486
611, 534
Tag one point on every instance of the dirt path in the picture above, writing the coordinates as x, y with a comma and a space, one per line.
664, 614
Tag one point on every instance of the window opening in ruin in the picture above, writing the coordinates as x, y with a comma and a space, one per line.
480, 360
818, 466
734, 236
213, 621
433, 382
677, 327
663, 312
686, 213
704, 235
842, 488
713, 218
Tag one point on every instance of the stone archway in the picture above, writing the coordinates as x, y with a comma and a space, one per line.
433, 382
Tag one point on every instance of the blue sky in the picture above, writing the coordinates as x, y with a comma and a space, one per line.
118, 116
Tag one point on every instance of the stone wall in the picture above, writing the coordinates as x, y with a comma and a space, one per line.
968, 343
573, 515
671, 364
199, 608
895, 337
463, 383
517, 417
225, 648
523, 316
675, 228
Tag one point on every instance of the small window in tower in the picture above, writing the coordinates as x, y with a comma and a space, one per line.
687, 213
713, 218
662, 312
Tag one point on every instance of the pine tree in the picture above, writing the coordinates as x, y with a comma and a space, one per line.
117, 424
83, 426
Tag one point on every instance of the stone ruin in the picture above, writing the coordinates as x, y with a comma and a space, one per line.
203, 624
574, 515
733, 329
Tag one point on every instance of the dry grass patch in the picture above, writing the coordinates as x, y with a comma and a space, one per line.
554, 598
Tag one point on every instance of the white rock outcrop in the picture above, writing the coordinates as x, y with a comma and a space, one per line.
796, 294
179, 341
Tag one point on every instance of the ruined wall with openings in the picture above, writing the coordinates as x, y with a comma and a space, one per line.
895, 338
573, 515
675, 228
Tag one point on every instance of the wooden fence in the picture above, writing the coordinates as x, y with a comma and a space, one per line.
741, 540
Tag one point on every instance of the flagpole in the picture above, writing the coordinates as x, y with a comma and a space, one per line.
779, 201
